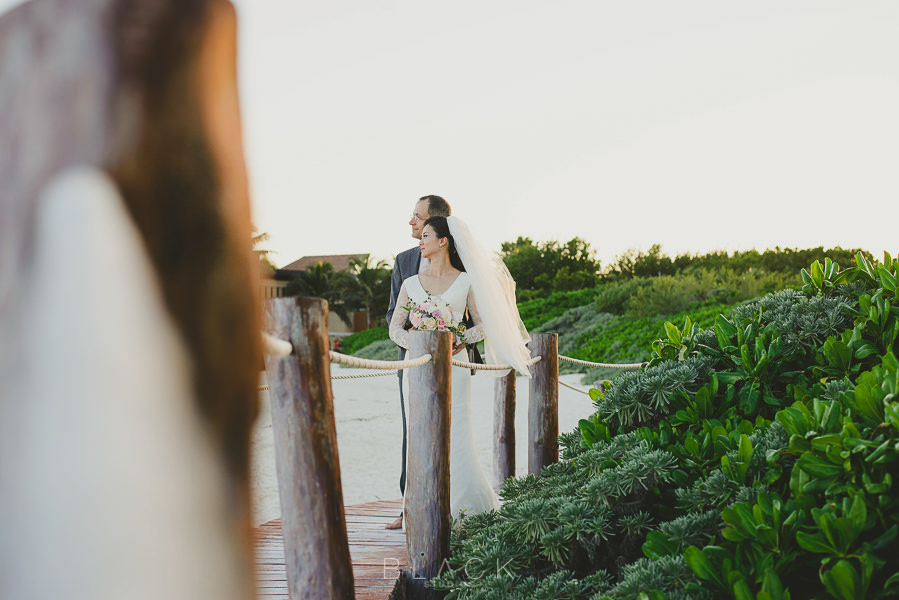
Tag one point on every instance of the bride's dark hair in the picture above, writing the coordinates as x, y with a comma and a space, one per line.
441, 229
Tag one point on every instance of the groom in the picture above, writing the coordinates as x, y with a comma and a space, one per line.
407, 264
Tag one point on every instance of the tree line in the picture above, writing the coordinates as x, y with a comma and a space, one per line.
553, 266
541, 268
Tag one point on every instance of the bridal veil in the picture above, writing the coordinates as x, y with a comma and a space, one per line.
494, 292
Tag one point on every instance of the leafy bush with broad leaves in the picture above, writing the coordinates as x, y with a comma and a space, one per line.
751, 460
617, 339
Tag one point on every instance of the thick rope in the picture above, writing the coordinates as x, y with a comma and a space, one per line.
364, 363
276, 346
587, 363
483, 367
576, 389
361, 375
390, 366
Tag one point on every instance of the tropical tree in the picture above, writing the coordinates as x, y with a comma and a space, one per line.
551, 266
368, 286
322, 281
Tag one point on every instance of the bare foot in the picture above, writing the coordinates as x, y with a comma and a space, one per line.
398, 524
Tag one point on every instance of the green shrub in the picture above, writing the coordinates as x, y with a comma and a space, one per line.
539, 310
630, 341
380, 350
551, 266
673, 294
779, 422
664, 295
355, 342
613, 297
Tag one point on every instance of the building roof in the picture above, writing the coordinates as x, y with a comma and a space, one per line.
340, 262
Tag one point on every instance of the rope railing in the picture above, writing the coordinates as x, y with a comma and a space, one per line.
277, 347
485, 367
587, 363
300, 376
576, 389
365, 363
364, 375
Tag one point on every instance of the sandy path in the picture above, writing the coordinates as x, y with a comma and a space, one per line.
369, 434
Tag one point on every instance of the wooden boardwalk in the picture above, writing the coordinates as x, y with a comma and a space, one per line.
377, 553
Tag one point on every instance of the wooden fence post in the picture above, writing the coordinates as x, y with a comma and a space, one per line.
543, 403
504, 428
427, 509
312, 519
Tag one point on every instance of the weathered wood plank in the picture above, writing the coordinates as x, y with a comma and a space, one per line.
317, 551
377, 554
504, 429
543, 403
427, 508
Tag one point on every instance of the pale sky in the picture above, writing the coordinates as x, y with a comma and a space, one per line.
699, 125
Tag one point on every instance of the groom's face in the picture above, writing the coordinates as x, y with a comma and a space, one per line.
419, 216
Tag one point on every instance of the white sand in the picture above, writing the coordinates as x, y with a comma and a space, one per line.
369, 435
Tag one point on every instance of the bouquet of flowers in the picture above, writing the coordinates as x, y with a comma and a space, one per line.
434, 313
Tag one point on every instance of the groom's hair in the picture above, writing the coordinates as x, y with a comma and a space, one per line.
437, 206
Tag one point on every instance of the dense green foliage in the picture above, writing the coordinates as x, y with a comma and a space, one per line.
550, 266
545, 267
753, 459
615, 339
654, 262
539, 310
668, 294
590, 327
351, 344
380, 350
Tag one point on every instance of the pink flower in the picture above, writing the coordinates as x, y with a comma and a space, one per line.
441, 323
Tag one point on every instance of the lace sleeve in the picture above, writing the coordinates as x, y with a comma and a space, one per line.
397, 330
476, 332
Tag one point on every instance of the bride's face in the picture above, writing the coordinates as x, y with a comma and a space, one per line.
430, 244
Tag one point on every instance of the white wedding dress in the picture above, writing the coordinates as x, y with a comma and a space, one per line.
470, 490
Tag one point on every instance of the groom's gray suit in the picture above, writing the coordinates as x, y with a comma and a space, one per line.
406, 265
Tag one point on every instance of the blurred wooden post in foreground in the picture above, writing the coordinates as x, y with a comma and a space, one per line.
543, 403
427, 509
504, 429
312, 517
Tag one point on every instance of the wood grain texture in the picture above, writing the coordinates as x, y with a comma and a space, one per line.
378, 554
504, 429
427, 510
312, 516
543, 403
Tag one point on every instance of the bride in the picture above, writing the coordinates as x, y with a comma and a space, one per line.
464, 277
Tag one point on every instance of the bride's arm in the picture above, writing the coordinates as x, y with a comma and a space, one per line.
397, 330
477, 331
